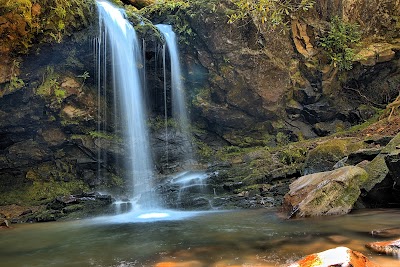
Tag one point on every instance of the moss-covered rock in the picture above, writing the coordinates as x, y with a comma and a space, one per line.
377, 169
381, 189
327, 154
26, 21
325, 193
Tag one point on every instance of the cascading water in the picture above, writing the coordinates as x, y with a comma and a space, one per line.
125, 55
179, 111
117, 40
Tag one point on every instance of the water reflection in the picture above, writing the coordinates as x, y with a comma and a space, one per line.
243, 238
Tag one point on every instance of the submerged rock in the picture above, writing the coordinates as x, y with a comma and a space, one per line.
340, 256
179, 264
386, 247
389, 232
325, 193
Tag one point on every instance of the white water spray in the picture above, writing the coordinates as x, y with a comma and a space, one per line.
125, 57
179, 110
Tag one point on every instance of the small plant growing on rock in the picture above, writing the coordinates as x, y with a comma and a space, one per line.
339, 41
269, 13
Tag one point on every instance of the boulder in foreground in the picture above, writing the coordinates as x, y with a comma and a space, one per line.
340, 256
325, 193
386, 247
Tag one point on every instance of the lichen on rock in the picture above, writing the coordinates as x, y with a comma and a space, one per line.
325, 193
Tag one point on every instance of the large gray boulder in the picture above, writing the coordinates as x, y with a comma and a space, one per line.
325, 193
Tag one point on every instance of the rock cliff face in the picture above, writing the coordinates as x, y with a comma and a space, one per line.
247, 86
270, 82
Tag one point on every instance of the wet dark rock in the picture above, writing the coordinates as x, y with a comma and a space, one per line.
307, 95
199, 203
379, 140
231, 186
320, 111
365, 112
106, 199
392, 161
171, 150
53, 136
48, 216
301, 128
363, 154
72, 208
330, 127
381, 188
27, 152
67, 199
294, 107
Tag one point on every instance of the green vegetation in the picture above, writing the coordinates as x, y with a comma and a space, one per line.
269, 13
50, 87
282, 139
15, 82
43, 21
40, 191
104, 135
159, 123
293, 155
339, 43
177, 13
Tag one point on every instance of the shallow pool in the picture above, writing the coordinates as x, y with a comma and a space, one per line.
241, 238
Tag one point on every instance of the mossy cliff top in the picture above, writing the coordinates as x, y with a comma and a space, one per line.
24, 22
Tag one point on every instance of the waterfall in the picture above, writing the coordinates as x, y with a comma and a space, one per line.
118, 35
179, 111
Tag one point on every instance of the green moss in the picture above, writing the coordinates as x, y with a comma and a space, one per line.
179, 14
176, 13
335, 147
282, 139
73, 208
202, 97
292, 155
13, 85
42, 21
50, 87
205, 152
253, 137
365, 124
269, 14
40, 191
117, 180
102, 135
159, 123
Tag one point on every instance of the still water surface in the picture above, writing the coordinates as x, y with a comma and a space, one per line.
241, 238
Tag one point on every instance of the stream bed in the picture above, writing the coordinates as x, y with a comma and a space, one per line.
226, 238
